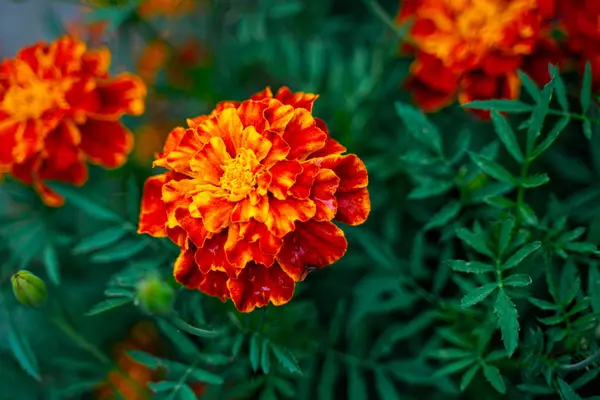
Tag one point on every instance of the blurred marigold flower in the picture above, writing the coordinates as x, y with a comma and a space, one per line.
249, 197
151, 8
154, 57
60, 108
471, 49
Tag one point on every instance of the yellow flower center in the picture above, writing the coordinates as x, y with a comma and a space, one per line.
32, 100
238, 177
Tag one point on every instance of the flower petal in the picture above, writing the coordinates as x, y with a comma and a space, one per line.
265, 94
251, 113
331, 145
279, 149
211, 256
302, 135
296, 100
186, 270
214, 283
153, 214
304, 181
311, 244
245, 210
122, 95
209, 162
193, 227
353, 207
215, 211
250, 139
283, 214
278, 115
176, 194
257, 285
106, 142
241, 250
284, 175
323, 194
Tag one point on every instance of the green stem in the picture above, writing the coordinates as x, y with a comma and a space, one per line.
385, 18
580, 365
573, 116
80, 340
521, 190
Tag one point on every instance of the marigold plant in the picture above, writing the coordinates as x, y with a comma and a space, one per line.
249, 197
59, 109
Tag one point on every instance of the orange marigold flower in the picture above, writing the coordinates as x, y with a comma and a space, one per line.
249, 197
151, 8
154, 57
462, 43
60, 108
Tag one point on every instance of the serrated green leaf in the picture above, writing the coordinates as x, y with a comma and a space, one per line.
507, 321
585, 97
468, 377
86, 204
521, 255
580, 247
587, 321
357, 386
420, 127
554, 320
108, 304
443, 216
509, 106
476, 241
535, 180
101, 239
51, 263
496, 355
265, 357
538, 115
286, 358
507, 136
493, 169
527, 214
565, 390
478, 294
473, 267
571, 235
122, 251
454, 367
21, 349
506, 230
543, 304
581, 305
385, 387
559, 88
551, 138
493, 376
162, 386
517, 280
587, 129
254, 352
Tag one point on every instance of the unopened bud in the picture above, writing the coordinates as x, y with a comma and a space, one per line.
29, 289
155, 296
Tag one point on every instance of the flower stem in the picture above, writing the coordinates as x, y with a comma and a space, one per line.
587, 362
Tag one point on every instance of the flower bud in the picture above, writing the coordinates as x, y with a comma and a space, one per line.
155, 296
29, 289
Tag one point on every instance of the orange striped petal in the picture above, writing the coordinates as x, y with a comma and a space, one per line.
284, 175
211, 256
194, 228
215, 211
283, 214
186, 270
304, 181
176, 194
253, 231
302, 135
106, 142
256, 286
353, 207
214, 283
29, 139
122, 95
96, 62
251, 113
278, 115
265, 94
279, 149
229, 126
153, 215
323, 194
240, 251
180, 147
250, 139
210, 160
245, 210
311, 245
331, 145
296, 100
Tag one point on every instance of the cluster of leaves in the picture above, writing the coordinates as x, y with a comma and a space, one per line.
476, 276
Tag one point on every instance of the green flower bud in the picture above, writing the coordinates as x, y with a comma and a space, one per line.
155, 296
29, 289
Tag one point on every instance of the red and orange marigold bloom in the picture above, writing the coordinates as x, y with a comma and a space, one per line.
471, 49
60, 108
250, 195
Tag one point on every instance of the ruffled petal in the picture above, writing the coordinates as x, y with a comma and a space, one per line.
264, 94
214, 283
176, 193
186, 270
181, 145
245, 210
241, 249
302, 135
332, 147
296, 100
209, 162
215, 211
304, 181
278, 115
256, 286
323, 194
211, 256
279, 149
283, 214
124, 94
353, 207
311, 245
194, 228
251, 113
250, 139
153, 214
284, 175
106, 142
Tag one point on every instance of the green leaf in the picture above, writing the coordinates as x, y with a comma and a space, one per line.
506, 230
594, 286
476, 241
517, 280
162, 386
527, 214
538, 115
86, 204
178, 338
337, 323
554, 320
420, 127
587, 129
51, 262
507, 321
510, 106
397, 332
551, 138
430, 189
357, 386
535, 389
108, 304
19, 344
385, 387
478, 294
493, 376
571, 235
454, 367
560, 89
122, 251
580, 247
473, 267
535, 180
507, 136
543, 304
443, 216
286, 358
329, 374
147, 359
254, 352
101, 239
529, 85
468, 377
585, 378
565, 390
500, 202
205, 376
450, 354
265, 357
586, 88
493, 169
186, 393
521, 255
